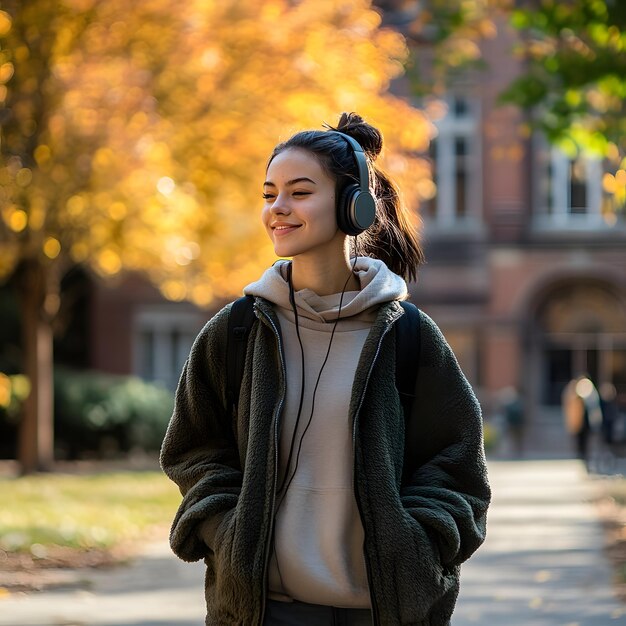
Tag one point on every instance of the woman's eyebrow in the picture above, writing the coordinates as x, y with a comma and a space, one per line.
295, 181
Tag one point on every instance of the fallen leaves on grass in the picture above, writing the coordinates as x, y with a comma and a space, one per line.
59, 526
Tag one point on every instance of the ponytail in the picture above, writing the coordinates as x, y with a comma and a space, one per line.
393, 236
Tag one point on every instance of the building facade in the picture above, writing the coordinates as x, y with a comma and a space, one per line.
526, 262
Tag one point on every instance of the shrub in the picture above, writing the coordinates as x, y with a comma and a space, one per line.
104, 415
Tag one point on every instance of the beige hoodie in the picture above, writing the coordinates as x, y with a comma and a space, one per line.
318, 536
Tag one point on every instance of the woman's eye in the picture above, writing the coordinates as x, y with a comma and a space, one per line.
271, 196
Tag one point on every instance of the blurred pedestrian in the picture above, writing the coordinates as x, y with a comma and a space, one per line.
582, 414
610, 411
318, 501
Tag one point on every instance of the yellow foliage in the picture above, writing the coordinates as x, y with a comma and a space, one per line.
13, 390
42, 154
109, 262
5, 390
158, 117
609, 183
79, 252
174, 290
51, 247
6, 72
17, 220
5, 23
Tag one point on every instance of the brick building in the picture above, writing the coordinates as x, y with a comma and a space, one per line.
526, 268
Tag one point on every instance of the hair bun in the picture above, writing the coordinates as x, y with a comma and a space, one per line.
369, 138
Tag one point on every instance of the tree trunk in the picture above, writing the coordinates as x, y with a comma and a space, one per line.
36, 434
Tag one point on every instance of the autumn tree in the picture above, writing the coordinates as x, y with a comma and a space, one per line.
134, 137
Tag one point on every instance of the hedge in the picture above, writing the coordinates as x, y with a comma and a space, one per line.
100, 415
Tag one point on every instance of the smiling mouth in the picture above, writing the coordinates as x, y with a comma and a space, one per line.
283, 230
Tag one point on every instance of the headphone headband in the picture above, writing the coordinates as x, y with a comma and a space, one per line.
359, 156
356, 207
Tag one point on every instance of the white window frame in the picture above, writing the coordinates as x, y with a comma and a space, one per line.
449, 129
164, 323
561, 214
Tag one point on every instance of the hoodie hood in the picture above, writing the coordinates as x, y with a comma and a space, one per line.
378, 285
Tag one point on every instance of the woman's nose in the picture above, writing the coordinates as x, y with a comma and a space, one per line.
280, 205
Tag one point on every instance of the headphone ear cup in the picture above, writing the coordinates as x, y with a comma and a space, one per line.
356, 210
344, 209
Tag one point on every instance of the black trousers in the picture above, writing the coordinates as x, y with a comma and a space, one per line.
303, 614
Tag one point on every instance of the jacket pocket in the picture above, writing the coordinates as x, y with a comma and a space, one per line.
221, 579
421, 581
210, 528
223, 540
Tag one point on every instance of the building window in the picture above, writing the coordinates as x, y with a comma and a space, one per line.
568, 191
163, 337
578, 203
455, 157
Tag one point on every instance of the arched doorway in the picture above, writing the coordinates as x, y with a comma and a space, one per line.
579, 327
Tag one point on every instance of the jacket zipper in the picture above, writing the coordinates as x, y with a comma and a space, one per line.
368, 567
268, 538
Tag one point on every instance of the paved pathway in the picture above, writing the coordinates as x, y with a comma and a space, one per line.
541, 565
157, 590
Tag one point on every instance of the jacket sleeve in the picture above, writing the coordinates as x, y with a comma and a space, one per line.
447, 492
199, 452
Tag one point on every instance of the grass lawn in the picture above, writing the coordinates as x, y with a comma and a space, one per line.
46, 512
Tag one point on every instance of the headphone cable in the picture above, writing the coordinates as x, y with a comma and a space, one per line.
292, 301
319, 376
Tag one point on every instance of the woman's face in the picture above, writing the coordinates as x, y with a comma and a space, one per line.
299, 211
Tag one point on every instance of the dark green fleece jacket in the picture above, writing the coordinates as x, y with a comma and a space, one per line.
422, 490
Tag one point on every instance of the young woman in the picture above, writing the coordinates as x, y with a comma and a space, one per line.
317, 501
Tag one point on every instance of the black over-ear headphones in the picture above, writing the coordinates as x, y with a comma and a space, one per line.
356, 207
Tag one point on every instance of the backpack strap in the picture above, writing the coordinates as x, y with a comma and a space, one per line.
408, 344
240, 322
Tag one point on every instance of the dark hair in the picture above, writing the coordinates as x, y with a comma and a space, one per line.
392, 238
